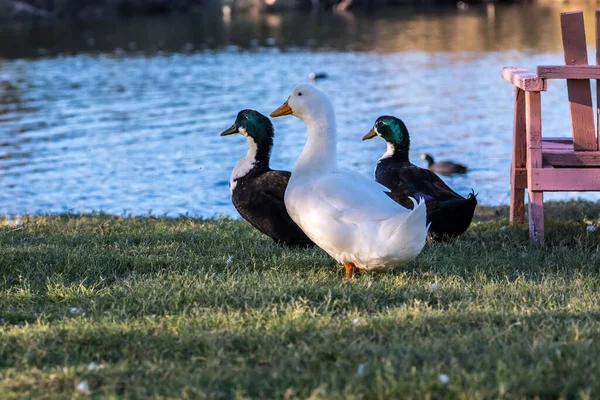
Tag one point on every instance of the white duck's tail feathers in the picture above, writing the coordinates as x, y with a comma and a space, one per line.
429, 224
416, 220
415, 202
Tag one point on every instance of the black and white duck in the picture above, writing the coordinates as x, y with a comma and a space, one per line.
257, 191
450, 214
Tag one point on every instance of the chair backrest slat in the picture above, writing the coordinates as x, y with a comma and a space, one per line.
580, 94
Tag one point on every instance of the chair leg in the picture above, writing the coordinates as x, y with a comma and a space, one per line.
517, 199
534, 160
518, 180
536, 217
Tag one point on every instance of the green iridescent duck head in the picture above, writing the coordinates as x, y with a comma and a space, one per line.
258, 131
252, 124
391, 129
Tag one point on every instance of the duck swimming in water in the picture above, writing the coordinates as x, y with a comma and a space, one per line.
345, 213
257, 191
449, 213
444, 167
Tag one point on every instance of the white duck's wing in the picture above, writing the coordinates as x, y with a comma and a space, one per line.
341, 204
357, 198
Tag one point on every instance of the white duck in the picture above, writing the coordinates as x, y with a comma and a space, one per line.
343, 212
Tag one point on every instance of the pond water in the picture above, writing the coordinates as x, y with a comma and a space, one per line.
124, 116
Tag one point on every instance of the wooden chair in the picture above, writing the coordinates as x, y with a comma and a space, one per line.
544, 164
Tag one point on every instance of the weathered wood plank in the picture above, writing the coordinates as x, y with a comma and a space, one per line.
557, 146
573, 36
523, 79
518, 174
568, 71
565, 179
571, 159
580, 95
533, 122
561, 139
520, 179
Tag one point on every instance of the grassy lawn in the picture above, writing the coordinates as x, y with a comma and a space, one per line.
103, 306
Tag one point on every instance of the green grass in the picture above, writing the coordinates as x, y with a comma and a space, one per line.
155, 305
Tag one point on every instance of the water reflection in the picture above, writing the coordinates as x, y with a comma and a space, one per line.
124, 116
502, 27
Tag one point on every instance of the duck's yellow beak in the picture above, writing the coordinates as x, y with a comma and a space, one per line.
229, 131
370, 135
283, 109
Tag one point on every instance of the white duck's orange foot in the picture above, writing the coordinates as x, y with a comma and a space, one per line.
351, 269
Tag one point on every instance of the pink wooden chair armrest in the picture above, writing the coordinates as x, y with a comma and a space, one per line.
523, 79
568, 71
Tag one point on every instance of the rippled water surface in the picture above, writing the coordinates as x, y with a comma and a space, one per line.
125, 116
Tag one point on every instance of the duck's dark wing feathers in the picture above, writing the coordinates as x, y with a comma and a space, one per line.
259, 200
450, 214
405, 179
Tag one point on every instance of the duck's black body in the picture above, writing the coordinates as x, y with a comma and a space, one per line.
258, 197
257, 191
449, 213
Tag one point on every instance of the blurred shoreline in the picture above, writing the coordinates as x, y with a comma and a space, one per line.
99, 9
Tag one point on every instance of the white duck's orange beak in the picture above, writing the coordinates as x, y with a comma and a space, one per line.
283, 109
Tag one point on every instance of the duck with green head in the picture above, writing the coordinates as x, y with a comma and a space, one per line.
257, 191
450, 214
